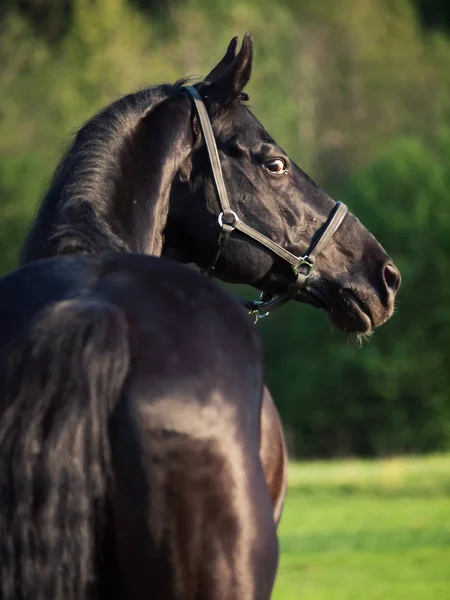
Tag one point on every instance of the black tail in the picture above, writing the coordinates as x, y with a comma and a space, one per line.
58, 388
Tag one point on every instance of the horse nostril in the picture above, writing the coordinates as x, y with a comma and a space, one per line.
392, 277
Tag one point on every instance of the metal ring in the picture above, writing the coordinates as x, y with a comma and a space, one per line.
230, 212
257, 315
305, 261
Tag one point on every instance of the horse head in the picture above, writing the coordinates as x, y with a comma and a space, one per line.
353, 278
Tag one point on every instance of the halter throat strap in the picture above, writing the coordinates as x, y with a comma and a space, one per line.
229, 221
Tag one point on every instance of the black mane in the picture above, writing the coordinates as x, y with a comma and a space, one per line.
84, 181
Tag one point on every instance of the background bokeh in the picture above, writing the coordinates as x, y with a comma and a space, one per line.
358, 93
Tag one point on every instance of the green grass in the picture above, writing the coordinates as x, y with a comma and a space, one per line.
366, 530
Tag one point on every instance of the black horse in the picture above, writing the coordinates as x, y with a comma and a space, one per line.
129, 437
138, 179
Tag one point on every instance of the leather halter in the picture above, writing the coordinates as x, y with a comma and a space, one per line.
302, 266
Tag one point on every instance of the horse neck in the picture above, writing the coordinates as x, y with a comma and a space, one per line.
116, 200
159, 148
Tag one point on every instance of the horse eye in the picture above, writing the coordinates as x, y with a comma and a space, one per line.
276, 166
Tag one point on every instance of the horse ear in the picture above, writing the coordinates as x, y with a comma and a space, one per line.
235, 76
223, 64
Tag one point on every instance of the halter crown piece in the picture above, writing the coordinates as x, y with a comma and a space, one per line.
228, 220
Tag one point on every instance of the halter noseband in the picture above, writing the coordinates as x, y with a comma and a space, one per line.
229, 221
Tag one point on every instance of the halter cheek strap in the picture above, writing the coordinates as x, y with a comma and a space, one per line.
229, 221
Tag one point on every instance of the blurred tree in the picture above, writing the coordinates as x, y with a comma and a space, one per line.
49, 19
157, 8
435, 14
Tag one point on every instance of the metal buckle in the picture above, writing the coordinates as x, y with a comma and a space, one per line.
230, 212
305, 261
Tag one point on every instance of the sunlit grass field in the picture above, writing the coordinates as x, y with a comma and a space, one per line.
366, 530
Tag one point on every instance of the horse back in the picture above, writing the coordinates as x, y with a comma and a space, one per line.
189, 514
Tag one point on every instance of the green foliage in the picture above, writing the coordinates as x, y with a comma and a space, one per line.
372, 529
19, 177
356, 93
